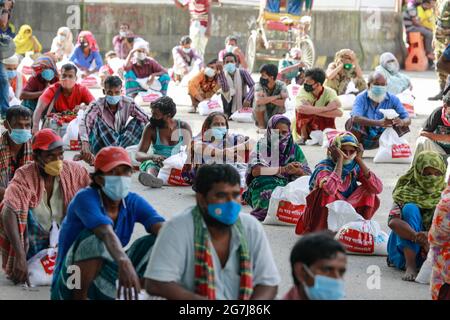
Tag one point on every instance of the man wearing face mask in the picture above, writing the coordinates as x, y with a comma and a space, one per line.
228, 251
15, 144
66, 95
37, 196
16, 79
142, 72
270, 96
317, 106
184, 59
204, 85
238, 87
231, 46
121, 42
367, 123
165, 136
318, 264
99, 224
106, 121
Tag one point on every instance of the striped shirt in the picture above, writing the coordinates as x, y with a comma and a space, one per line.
246, 81
99, 109
408, 15
199, 11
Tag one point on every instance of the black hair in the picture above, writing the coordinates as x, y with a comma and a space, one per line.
230, 54
165, 105
213, 61
210, 174
185, 40
17, 111
93, 175
270, 69
229, 38
314, 247
317, 74
112, 82
209, 119
68, 67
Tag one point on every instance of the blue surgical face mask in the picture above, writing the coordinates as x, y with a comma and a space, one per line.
11, 74
187, 50
113, 100
218, 132
227, 213
230, 67
116, 187
377, 93
20, 136
325, 288
48, 74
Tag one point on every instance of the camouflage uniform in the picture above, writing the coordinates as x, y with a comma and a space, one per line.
442, 34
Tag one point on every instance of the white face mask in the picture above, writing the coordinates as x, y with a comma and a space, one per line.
348, 161
392, 67
123, 34
141, 56
209, 72
230, 48
61, 37
187, 50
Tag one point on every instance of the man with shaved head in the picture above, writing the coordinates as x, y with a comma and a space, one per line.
367, 123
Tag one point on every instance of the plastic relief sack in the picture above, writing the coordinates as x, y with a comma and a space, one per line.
357, 235
424, 275
207, 107
70, 138
316, 138
25, 65
287, 203
243, 115
170, 173
145, 98
408, 100
347, 101
41, 265
90, 81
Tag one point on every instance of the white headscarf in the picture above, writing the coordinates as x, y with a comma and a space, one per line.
63, 47
396, 81
141, 44
14, 60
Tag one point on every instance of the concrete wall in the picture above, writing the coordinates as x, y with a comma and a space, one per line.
369, 33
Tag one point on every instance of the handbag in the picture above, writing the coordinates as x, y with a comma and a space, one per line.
7, 46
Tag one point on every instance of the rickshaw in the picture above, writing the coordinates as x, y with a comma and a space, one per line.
276, 34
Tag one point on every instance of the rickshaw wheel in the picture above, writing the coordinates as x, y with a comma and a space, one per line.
308, 52
251, 51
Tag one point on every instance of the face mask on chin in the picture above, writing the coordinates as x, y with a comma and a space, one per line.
157, 123
68, 84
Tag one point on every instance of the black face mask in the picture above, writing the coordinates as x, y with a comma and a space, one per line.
264, 82
308, 87
157, 123
83, 45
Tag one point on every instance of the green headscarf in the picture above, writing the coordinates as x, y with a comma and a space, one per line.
424, 191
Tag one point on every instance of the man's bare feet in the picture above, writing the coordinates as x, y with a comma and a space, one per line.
410, 275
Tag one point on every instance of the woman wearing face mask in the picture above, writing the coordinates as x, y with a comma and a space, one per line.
415, 198
396, 82
204, 85
37, 196
216, 144
185, 59
165, 136
62, 44
100, 221
25, 41
142, 72
343, 175
86, 55
266, 171
44, 74
343, 70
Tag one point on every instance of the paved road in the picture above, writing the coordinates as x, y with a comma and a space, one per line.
169, 201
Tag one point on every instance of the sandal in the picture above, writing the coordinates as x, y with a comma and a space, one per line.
150, 180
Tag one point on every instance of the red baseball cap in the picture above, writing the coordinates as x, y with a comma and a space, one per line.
110, 157
46, 139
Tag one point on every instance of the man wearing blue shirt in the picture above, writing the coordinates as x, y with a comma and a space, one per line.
367, 123
98, 225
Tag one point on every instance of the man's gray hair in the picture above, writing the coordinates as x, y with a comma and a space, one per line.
375, 75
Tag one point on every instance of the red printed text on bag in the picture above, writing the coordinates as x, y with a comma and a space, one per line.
357, 241
175, 178
48, 263
289, 212
401, 151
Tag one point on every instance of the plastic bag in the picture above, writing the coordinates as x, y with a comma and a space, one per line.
293, 90
145, 98
408, 100
287, 203
170, 173
424, 275
207, 107
347, 101
393, 149
91, 81
25, 65
316, 138
70, 138
243, 115
357, 235
41, 265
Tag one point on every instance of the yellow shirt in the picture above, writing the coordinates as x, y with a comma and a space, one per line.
426, 17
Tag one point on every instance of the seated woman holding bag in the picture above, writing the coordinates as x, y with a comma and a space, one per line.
215, 144
66, 95
336, 178
416, 196
266, 171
